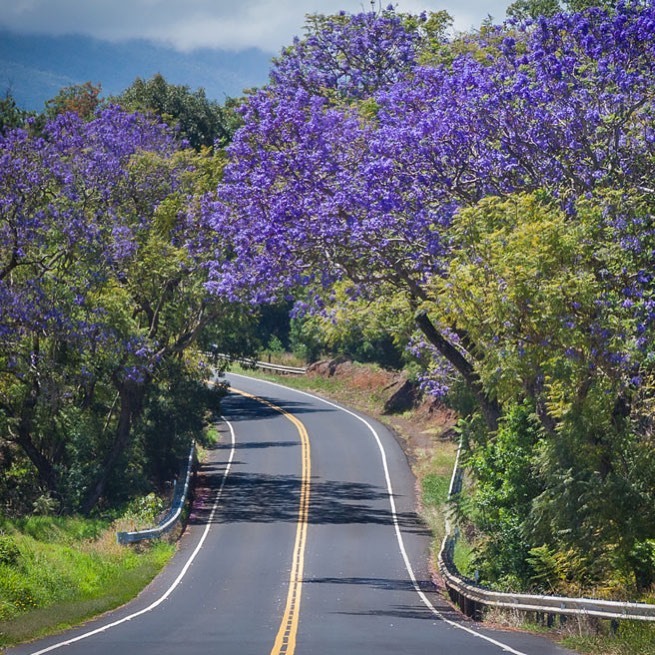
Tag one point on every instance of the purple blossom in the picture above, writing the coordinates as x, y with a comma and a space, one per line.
321, 187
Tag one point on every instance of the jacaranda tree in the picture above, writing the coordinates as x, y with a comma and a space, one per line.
349, 174
101, 285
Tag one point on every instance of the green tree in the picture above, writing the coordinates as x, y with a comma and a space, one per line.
524, 9
365, 330
556, 306
11, 115
102, 285
157, 297
201, 121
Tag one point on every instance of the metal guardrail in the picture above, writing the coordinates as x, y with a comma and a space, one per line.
472, 598
278, 368
267, 366
180, 494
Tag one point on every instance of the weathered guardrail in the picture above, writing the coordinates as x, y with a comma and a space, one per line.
279, 368
267, 366
180, 494
472, 598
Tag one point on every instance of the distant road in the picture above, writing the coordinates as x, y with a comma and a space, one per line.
303, 539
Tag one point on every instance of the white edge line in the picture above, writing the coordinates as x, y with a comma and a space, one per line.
179, 578
399, 536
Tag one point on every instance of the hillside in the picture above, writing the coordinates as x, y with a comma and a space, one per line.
35, 68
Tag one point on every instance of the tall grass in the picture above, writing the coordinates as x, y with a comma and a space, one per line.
58, 571
631, 638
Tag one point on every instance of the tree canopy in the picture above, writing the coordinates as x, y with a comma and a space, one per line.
493, 193
201, 122
505, 191
102, 290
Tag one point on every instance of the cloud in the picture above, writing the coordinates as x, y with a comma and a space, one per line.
193, 24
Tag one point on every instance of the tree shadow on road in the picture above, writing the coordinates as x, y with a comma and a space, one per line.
241, 408
411, 610
265, 498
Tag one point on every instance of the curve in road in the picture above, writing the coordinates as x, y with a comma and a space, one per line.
258, 542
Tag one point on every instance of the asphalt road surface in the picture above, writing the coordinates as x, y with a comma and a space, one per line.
303, 539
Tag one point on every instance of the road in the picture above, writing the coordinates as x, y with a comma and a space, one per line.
303, 539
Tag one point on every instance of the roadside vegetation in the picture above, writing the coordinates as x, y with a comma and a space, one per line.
56, 572
475, 208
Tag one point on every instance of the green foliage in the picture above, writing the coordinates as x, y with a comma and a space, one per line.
533, 9
19, 486
201, 121
9, 551
45, 504
434, 35
558, 572
11, 115
275, 345
364, 330
524, 9
306, 340
177, 411
143, 512
56, 570
505, 486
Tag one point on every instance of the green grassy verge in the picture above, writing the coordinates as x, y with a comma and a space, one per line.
360, 391
58, 572
631, 638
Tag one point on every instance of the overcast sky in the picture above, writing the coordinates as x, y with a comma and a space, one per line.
224, 24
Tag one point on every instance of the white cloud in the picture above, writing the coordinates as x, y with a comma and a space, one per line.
193, 24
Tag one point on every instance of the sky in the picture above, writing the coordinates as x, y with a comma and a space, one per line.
187, 25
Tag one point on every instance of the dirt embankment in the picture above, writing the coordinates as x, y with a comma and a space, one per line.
391, 396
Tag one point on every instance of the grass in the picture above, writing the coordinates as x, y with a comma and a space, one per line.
462, 557
434, 488
631, 638
56, 572
362, 389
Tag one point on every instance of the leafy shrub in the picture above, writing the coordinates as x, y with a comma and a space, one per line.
9, 551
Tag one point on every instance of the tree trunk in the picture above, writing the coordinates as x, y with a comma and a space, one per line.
25, 429
131, 397
46, 471
490, 408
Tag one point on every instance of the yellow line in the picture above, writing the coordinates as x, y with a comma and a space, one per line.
285, 642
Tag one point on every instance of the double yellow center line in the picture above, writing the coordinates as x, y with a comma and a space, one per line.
285, 642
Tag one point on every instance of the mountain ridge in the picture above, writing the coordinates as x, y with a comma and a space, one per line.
34, 68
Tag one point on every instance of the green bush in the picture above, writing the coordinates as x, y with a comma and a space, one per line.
9, 551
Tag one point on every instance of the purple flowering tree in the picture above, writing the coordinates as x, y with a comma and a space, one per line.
365, 189
435, 182
349, 57
101, 284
